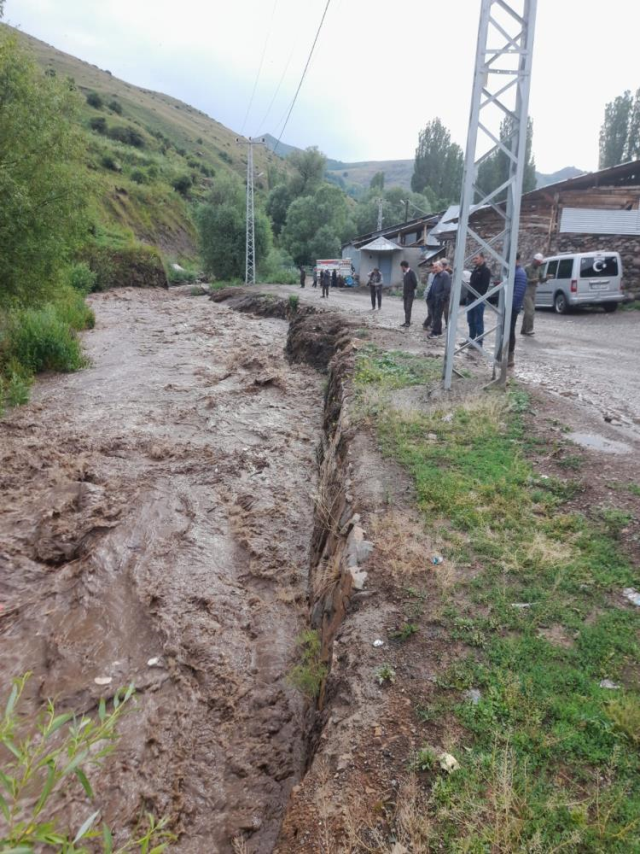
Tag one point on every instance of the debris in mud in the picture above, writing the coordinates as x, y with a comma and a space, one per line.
474, 695
449, 763
436, 560
609, 685
103, 680
632, 595
155, 662
378, 643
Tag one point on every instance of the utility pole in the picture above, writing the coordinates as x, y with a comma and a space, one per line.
250, 253
500, 90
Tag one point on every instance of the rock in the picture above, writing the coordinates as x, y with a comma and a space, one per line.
378, 643
632, 595
359, 576
155, 662
611, 686
473, 694
448, 763
103, 680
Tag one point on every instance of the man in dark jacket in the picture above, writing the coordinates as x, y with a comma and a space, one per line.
334, 279
519, 290
325, 281
303, 276
480, 282
409, 285
440, 294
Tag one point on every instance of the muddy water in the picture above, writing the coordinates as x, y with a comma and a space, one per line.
158, 505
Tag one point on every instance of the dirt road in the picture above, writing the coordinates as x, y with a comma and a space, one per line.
590, 357
158, 505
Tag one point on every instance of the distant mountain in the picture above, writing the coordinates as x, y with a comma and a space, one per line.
561, 175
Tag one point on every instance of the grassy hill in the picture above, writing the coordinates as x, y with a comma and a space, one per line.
140, 144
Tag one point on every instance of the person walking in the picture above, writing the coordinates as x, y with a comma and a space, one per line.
334, 279
409, 285
303, 276
480, 281
325, 281
534, 278
375, 286
315, 277
428, 298
441, 293
520, 285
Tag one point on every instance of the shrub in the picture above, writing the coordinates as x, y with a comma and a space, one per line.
94, 100
226, 157
139, 176
115, 107
182, 184
309, 674
72, 309
40, 340
136, 266
98, 124
14, 386
153, 171
109, 162
181, 277
81, 277
126, 135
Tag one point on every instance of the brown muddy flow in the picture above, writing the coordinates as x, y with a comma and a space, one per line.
155, 519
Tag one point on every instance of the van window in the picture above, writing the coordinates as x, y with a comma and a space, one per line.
599, 267
565, 268
552, 269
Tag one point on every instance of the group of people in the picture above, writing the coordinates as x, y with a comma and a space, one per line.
327, 279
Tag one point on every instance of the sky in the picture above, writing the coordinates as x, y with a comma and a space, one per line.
380, 72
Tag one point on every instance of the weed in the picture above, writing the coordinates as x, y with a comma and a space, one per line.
634, 489
395, 369
571, 461
385, 673
309, 674
293, 303
404, 632
625, 714
425, 760
39, 765
41, 340
614, 520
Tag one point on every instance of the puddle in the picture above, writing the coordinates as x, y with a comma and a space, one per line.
598, 443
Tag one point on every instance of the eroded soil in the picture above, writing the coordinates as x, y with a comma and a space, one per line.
158, 505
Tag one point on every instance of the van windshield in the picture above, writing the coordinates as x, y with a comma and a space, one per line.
602, 266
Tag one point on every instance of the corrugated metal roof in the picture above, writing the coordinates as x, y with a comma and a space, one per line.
593, 221
380, 244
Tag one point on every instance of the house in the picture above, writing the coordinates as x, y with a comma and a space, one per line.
596, 211
409, 241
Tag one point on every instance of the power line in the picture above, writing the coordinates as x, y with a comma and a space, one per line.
264, 50
275, 94
295, 97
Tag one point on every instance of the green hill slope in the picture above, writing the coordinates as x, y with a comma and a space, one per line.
140, 144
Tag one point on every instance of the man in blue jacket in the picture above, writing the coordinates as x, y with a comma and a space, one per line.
520, 283
440, 293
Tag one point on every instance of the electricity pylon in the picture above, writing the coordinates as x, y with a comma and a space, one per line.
500, 92
250, 253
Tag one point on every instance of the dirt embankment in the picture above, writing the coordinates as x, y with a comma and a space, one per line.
155, 522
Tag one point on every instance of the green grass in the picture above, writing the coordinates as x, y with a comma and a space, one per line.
394, 369
551, 760
308, 675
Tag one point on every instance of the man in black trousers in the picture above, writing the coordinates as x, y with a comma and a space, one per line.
440, 294
409, 285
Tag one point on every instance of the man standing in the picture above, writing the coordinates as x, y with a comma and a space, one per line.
441, 293
325, 281
375, 286
409, 285
534, 277
480, 282
429, 299
519, 290
315, 277
334, 279
303, 276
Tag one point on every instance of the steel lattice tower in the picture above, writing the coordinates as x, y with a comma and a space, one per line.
500, 92
250, 252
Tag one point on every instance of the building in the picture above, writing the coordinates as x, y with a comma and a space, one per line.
596, 211
409, 241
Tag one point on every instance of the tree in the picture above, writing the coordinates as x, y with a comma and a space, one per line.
377, 182
394, 208
309, 168
318, 221
221, 222
494, 171
41, 185
620, 131
438, 163
278, 203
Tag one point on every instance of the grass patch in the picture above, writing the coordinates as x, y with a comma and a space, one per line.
551, 760
308, 675
394, 369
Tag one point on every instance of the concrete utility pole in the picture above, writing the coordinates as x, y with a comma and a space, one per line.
250, 254
500, 91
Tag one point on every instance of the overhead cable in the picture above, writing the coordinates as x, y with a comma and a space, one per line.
264, 51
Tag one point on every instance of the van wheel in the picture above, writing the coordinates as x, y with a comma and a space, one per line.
610, 306
560, 303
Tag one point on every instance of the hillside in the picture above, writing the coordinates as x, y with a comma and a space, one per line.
561, 175
139, 144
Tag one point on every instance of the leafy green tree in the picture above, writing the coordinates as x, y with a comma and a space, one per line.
438, 163
614, 132
311, 220
278, 203
41, 185
377, 182
394, 207
494, 171
310, 166
221, 222
633, 137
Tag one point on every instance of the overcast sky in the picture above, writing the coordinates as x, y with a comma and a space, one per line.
381, 69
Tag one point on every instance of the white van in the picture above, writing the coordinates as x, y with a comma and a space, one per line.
586, 278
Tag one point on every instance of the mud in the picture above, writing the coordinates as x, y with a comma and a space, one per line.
160, 505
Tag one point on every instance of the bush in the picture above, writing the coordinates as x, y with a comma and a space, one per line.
81, 278
136, 266
94, 100
278, 269
115, 107
153, 171
309, 674
109, 162
39, 339
126, 135
72, 309
182, 184
139, 176
181, 277
98, 124
14, 386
